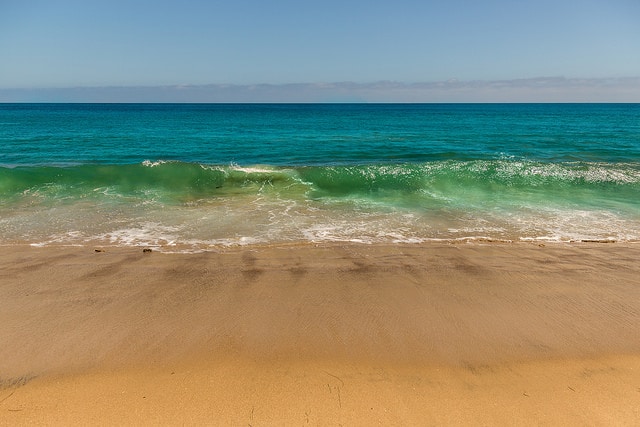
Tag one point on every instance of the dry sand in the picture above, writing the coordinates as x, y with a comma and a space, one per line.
434, 334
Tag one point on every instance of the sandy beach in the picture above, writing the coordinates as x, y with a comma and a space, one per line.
332, 334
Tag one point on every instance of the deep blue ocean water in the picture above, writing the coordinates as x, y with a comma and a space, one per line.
198, 176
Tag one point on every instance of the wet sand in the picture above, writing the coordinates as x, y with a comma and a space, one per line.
322, 335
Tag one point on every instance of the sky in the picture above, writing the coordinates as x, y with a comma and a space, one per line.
329, 50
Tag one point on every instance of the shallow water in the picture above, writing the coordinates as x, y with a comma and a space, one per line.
193, 176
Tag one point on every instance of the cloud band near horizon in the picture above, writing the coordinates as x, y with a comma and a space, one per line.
541, 89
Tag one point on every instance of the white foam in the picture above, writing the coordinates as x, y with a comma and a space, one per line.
70, 238
253, 169
151, 164
147, 234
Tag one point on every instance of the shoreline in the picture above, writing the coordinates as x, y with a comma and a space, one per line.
453, 333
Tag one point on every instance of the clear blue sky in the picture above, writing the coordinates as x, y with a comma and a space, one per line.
71, 43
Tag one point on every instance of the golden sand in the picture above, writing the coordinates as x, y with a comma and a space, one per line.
433, 334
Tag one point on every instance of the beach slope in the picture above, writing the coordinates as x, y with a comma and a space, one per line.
329, 334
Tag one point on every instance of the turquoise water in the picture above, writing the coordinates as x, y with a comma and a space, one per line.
198, 176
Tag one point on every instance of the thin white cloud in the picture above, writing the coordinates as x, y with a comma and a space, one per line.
541, 89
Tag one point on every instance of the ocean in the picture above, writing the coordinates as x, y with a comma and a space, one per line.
194, 177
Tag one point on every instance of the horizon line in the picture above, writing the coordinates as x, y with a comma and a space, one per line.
556, 89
